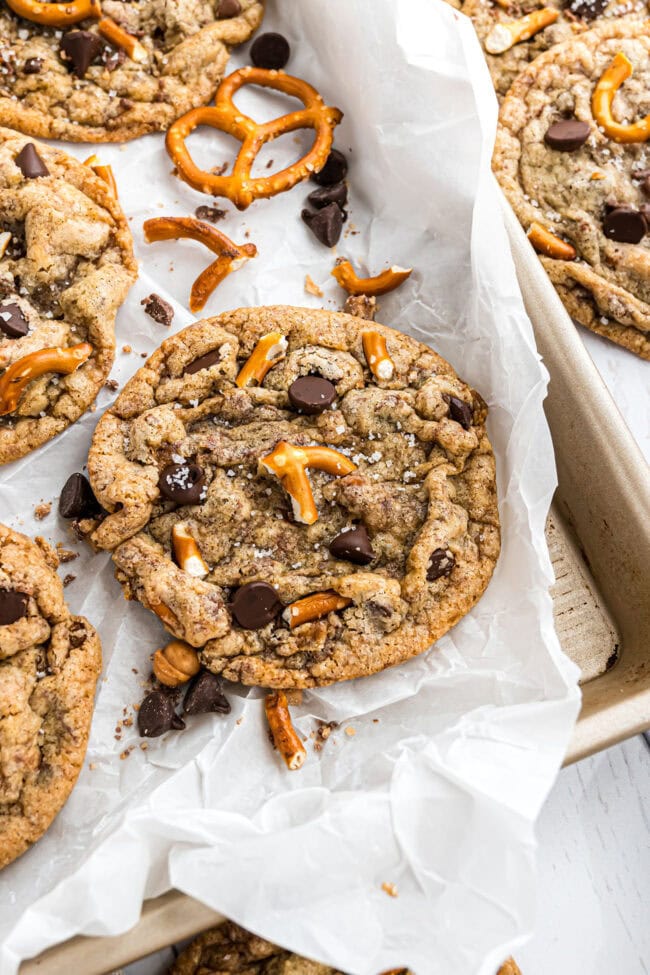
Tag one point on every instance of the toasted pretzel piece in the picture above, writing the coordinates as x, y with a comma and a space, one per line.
601, 104
270, 350
231, 255
290, 463
240, 186
509, 967
379, 362
313, 607
547, 243
165, 614
381, 284
104, 172
5, 237
285, 736
117, 36
20, 373
504, 36
186, 551
176, 663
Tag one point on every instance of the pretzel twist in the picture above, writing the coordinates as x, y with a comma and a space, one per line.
601, 104
289, 464
504, 36
313, 607
285, 737
240, 187
547, 243
20, 373
380, 284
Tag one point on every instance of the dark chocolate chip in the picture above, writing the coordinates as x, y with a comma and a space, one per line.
203, 362
625, 225
77, 498
227, 9
30, 163
158, 309
270, 51
12, 320
334, 170
205, 695
338, 193
312, 394
213, 214
325, 224
587, 9
441, 564
13, 606
81, 47
461, 412
353, 545
182, 483
645, 186
156, 714
255, 604
77, 634
32, 66
567, 135
644, 209
177, 723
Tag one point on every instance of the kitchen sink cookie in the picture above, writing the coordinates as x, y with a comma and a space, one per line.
109, 71
306, 496
573, 159
49, 665
66, 266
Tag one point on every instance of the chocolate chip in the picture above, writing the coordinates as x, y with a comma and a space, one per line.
77, 634
12, 320
81, 47
460, 411
353, 545
312, 394
325, 224
156, 715
270, 51
30, 163
182, 483
158, 309
625, 225
587, 9
255, 604
567, 135
13, 606
213, 214
337, 193
32, 66
205, 696
334, 170
203, 362
228, 8
441, 564
177, 723
77, 499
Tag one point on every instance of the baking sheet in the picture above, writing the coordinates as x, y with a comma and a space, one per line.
452, 754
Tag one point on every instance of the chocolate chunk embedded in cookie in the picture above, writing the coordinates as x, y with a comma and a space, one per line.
49, 665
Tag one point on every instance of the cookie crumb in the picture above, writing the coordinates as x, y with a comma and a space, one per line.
65, 554
312, 288
127, 349
350, 731
389, 889
68, 579
211, 214
361, 306
112, 384
42, 510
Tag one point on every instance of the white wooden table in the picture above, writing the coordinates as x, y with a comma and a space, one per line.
594, 832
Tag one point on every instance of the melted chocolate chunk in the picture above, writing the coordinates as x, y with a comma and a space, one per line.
13, 606
156, 715
325, 224
77, 499
311, 394
625, 225
441, 564
334, 170
12, 320
227, 9
586, 9
80, 48
270, 51
30, 163
205, 696
158, 309
203, 362
255, 605
353, 545
182, 483
567, 135
460, 411
32, 66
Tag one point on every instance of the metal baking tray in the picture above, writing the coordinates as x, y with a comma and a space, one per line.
598, 534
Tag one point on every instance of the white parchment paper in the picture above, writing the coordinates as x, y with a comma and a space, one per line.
453, 753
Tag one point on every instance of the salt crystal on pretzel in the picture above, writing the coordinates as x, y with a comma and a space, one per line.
289, 464
20, 373
285, 736
270, 350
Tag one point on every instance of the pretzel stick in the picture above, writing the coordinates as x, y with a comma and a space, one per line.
285, 736
104, 172
381, 284
547, 243
379, 362
313, 607
270, 350
20, 373
601, 104
504, 36
289, 464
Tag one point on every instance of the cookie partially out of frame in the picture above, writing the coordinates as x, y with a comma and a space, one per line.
572, 193
49, 665
423, 492
66, 269
117, 99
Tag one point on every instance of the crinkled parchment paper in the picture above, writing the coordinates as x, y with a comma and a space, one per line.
454, 752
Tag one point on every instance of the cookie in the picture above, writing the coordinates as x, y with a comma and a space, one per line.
49, 665
60, 85
66, 268
306, 496
577, 182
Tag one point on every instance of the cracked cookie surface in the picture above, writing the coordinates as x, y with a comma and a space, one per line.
607, 288
423, 492
49, 665
117, 98
65, 272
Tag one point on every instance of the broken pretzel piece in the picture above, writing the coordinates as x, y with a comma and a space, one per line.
504, 36
381, 284
187, 553
379, 362
547, 243
5, 238
601, 104
313, 607
231, 255
20, 373
285, 737
165, 615
176, 663
66, 14
104, 172
289, 464
270, 350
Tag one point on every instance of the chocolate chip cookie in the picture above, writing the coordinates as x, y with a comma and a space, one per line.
49, 665
306, 496
66, 266
575, 182
73, 80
